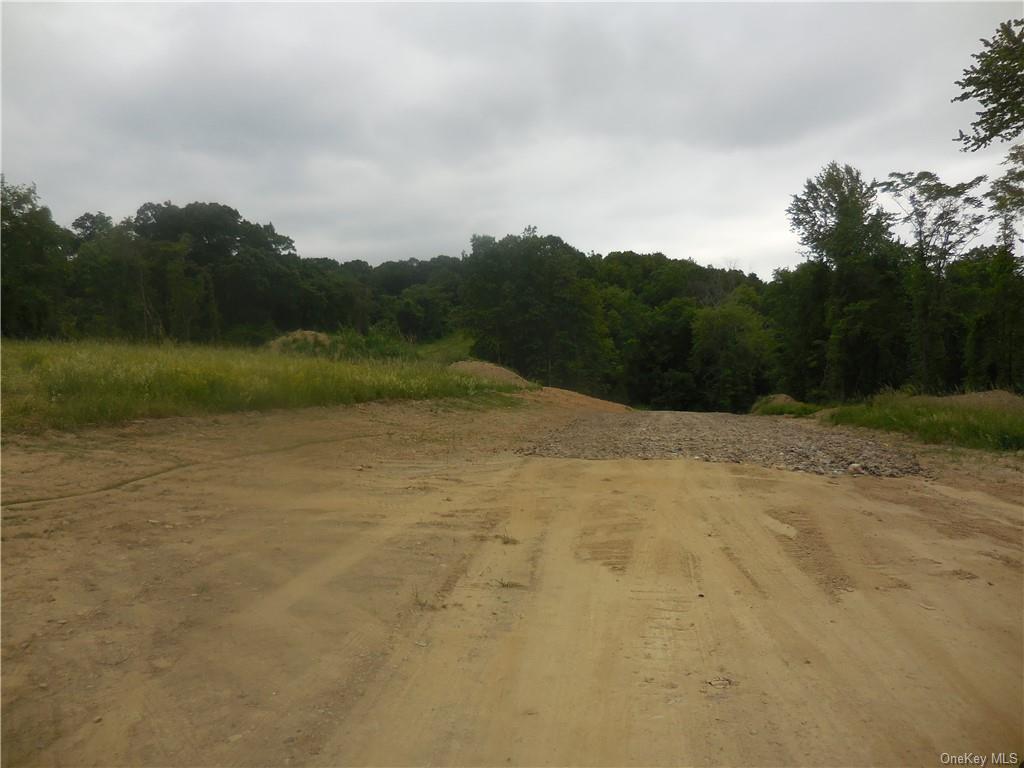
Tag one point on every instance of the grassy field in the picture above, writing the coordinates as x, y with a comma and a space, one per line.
67, 385
988, 420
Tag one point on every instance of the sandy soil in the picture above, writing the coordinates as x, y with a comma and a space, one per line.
397, 585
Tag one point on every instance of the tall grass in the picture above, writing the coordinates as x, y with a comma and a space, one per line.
375, 344
974, 423
71, 384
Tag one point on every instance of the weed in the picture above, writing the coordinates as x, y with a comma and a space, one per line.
505, 539
422, 603
505, 584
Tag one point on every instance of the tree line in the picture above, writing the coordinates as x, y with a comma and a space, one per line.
882, 299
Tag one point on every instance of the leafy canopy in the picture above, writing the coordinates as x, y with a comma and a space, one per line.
996, 79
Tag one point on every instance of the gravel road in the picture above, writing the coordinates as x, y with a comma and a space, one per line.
769, 441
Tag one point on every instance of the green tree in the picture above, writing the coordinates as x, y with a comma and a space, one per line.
89, 226
533, 305
34, 265
658, 362
986, 297
1006, 199
943, 220
797, 302
732, 356
836, 214
996, 80
856, 343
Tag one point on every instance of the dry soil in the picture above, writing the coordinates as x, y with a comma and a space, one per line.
413, 584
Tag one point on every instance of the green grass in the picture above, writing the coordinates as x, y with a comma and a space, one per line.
65, 385
452, 348
996, 426
765, 407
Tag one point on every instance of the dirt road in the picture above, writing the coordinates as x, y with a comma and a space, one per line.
397, 585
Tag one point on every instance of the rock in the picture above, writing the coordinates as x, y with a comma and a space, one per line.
787, 444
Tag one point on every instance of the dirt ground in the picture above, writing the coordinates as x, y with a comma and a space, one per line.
405, 584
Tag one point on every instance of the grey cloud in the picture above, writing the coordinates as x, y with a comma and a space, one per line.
393, 131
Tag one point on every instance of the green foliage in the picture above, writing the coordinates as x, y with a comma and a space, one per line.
731, 357
985, 294
767, 406
958, 421
996, 80
658, 360
1006, 198
839, 319
944, 218
381, 342
534, 306
836, 216
34, 268
450, 349
67, 385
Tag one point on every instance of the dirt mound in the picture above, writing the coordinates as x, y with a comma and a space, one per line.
566, 398
303, 341
489, 372
779, 399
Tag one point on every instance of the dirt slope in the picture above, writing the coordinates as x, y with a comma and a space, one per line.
395, 585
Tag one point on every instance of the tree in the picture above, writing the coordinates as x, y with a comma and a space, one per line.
1006, 198
986, 297
836, 213
533, 306
997, 81
34, 265
845, 231
943, 219
797, 302
89, 226
731, 357
658, 362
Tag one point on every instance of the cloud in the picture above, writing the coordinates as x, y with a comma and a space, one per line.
396, 131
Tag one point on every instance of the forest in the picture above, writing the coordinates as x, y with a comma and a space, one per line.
894, 290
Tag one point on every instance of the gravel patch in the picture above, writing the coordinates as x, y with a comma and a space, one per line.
770, 441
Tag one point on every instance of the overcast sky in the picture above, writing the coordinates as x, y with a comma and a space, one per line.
396, 131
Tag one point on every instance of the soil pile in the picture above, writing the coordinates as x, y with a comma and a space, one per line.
489, 372
302, 341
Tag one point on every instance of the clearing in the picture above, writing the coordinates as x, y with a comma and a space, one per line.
560, 583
